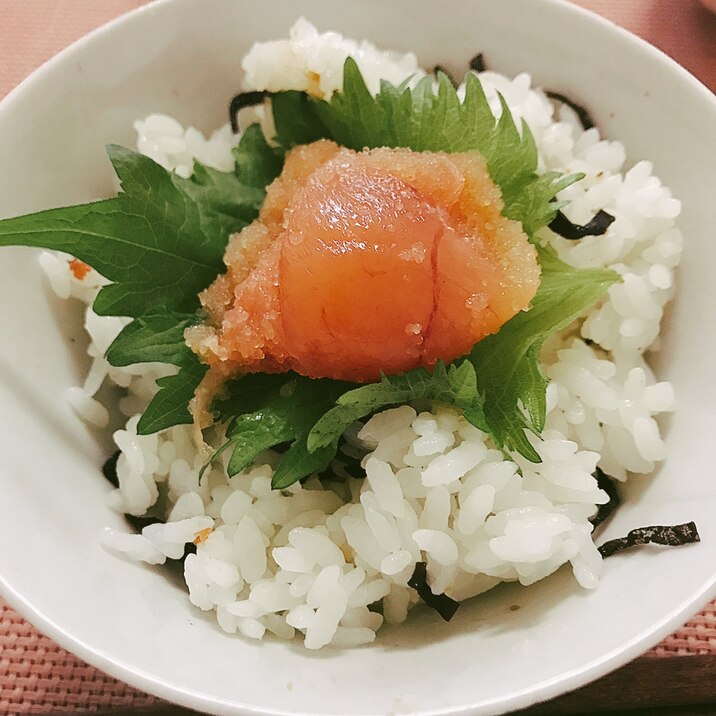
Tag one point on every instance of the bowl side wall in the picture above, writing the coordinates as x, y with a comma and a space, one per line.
182, 58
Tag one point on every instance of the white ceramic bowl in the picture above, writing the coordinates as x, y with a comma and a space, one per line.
136, 623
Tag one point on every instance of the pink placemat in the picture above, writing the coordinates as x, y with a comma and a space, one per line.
36, 675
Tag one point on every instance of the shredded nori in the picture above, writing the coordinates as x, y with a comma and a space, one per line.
584, 117
441, 603
351, 465
241, 101
140, 522
608, 484
189, 548
109, 469
568, 230
667, 535
477, 63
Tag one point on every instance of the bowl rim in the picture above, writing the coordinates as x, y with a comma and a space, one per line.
189, 698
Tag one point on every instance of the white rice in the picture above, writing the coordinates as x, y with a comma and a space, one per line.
313, 62
316, 559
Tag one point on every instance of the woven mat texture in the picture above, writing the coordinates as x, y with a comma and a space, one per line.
36, 675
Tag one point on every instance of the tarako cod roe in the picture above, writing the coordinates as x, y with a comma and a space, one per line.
366, 262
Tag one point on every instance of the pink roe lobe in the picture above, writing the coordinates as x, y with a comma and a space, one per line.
367, 262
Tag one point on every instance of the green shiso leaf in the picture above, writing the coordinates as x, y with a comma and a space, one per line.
161, 241
423, 119
287, 411
156, 337
507, 364
534, 205
453, 385
170, 406
312, 414
298, 462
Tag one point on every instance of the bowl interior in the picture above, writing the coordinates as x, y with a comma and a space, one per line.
136, 622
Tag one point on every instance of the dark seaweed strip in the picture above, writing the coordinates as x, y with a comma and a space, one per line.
189, 548
351, 464
584, 117
440, 68
669, 536
608, 484
477, 63
441, 603
569, 230
241, 101
109, 469
140, 522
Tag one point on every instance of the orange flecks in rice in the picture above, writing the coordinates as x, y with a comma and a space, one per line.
202, 535
314, 84
79, 269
